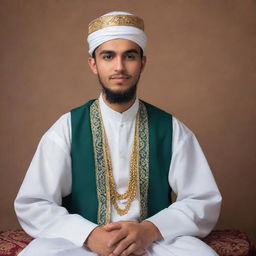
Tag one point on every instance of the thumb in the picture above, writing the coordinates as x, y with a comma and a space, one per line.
112, 226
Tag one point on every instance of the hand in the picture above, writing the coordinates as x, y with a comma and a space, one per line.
98, 241
139, 253
132, 238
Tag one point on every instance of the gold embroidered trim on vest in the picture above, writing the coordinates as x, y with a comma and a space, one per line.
103, 193
100, 168
143, 161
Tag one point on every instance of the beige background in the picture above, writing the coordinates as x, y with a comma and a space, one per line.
201, 68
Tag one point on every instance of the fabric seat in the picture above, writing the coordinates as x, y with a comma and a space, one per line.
224, 242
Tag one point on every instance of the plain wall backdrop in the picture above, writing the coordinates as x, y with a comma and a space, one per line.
201, 68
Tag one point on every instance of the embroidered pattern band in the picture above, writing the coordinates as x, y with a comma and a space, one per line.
115, 20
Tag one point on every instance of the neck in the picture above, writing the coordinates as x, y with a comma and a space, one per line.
119, 107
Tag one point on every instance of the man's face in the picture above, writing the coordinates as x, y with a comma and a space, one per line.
118, 64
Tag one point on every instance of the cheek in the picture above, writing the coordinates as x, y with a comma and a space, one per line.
104, 70
136, 67
104, 74
137, 70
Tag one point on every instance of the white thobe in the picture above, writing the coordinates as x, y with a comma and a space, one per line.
49, 179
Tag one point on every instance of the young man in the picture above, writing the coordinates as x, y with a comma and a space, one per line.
101, 178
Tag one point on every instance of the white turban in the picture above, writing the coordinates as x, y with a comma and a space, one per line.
104, 32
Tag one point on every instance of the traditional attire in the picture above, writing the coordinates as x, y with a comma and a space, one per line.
49, 179
114, 25
62, 172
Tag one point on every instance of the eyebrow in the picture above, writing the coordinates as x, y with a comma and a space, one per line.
113, 52
106, 52
132, 51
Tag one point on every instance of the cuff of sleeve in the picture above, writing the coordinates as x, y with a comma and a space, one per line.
172, 225
72, 227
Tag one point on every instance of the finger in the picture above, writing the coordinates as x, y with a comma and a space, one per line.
122, 246
139, 252
112, 226
117, 237
130, 249
144, 254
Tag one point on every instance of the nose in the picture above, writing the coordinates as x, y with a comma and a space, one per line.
119, 64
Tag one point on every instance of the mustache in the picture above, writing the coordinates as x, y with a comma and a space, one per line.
120, 74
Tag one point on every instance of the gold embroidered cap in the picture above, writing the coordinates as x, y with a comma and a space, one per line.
115, 20
116, 25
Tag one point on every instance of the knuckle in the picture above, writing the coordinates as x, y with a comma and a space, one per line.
130, 249
134, 236
117, 251
120, 248
126, 243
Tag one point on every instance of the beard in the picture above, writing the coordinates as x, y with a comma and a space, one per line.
119, 97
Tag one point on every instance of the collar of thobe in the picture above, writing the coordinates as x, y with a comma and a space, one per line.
127, 115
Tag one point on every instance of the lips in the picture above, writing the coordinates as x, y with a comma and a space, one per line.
119, 80
119, 77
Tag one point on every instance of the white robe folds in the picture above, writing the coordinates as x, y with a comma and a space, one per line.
49, 179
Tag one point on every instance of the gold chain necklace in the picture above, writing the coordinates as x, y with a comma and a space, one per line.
131, 191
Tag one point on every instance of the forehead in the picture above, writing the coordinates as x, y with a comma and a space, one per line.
118, 45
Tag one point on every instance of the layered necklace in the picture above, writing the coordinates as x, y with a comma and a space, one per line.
132, 188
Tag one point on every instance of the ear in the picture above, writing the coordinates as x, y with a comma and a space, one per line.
92, 65
143, 62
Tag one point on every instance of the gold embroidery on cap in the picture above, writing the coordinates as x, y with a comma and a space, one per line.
115, 20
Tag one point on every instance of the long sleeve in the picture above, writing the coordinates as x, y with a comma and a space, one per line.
197, 206
48, 180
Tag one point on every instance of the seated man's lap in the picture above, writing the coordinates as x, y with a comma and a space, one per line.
54, 247
181, 246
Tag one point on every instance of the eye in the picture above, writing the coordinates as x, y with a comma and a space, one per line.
107, 57
130, 56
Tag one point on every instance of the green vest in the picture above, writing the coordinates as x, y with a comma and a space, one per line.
83, 199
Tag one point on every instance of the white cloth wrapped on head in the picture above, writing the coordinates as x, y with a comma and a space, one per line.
116, 25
